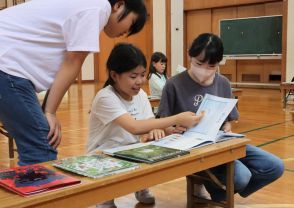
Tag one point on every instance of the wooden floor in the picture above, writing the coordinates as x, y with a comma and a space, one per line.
262, 119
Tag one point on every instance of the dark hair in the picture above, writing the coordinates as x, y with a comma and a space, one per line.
123, 58
156, 57
136, 6
211, 45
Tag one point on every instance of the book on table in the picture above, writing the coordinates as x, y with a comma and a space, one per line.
95, 166
145, 152
34, 179
182, 142
207, 131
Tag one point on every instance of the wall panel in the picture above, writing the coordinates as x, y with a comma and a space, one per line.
201, 11
197, 22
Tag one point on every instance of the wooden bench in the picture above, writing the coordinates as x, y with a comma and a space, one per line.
287, 89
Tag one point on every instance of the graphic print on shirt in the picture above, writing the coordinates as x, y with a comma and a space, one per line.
134, 111
197, 100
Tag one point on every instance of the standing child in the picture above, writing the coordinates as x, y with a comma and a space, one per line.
185, 92
43, 44
121, 110
157, 73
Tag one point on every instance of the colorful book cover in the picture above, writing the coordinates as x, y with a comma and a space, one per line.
150, 153
95, 166
33, 179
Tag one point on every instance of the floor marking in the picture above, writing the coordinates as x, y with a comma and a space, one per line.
275, 140
263, 127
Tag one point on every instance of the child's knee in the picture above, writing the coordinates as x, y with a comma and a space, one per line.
242, 179
279, 168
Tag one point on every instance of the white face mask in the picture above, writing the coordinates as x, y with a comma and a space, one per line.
203, 73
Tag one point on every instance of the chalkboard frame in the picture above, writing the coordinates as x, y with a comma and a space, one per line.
240, 49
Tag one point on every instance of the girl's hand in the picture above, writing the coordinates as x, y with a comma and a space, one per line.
227, 127
175, 130
188, 119
54, 134
155, 134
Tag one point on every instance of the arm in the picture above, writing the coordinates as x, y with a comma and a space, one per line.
136, 127
67, 74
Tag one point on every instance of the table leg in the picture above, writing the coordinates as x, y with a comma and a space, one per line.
230, 184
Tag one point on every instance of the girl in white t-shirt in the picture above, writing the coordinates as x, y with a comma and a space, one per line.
43, 44
121, 113
157, 73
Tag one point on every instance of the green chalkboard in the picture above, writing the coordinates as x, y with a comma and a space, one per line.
252, 36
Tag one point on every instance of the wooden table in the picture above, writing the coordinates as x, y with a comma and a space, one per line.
91, 191
154, 101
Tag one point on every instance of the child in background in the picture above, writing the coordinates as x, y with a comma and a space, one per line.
185, 92
157, 73
121, 111
43, 44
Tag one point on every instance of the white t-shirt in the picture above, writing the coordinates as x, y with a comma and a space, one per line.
35, 35
107, 106
156, 84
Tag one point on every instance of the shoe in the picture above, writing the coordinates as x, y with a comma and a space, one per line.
145, 197
107, 204
201, 192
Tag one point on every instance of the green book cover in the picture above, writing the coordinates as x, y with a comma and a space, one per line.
95, 166
150, 153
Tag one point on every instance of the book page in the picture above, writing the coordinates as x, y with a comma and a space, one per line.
216, 111
178, 141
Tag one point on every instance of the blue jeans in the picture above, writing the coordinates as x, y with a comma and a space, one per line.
256, 170
22, 116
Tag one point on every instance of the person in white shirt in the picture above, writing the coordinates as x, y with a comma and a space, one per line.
43, 44
121, 113
157, 73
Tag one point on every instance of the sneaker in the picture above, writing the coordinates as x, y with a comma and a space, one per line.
145, 197
107, 204
201, 192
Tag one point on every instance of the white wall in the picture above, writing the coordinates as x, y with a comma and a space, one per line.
159, 26
177, 35
290, 42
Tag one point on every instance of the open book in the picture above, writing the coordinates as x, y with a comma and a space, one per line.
206, 131
182, 142
145, 152
33, 179
95, 166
